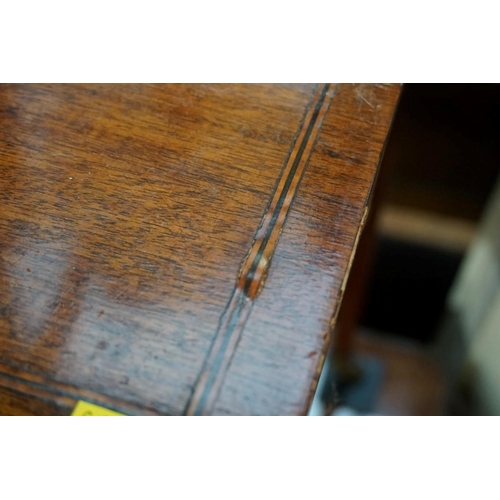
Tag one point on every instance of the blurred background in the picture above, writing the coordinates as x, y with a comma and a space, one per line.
419, 328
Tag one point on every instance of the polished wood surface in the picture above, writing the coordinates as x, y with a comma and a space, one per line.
178, 249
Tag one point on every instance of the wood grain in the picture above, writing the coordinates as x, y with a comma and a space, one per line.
127, 215
291, 323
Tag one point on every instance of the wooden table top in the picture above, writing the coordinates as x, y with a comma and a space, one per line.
178, 249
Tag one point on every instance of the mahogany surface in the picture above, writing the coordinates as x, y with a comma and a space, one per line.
178, 249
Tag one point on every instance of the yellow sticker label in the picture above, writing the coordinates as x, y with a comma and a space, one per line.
84, 409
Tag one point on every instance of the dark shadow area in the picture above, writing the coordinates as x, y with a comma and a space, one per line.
409, 287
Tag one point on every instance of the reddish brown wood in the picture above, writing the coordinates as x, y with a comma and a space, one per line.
342, 348
127, 213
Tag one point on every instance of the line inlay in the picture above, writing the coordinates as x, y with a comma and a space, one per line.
253, 272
